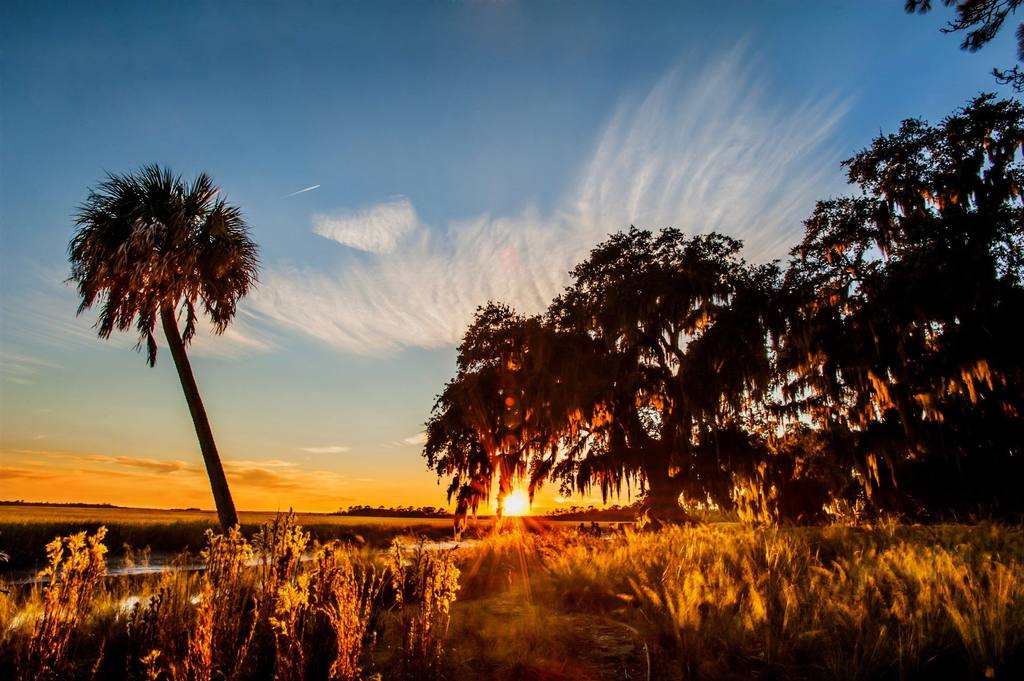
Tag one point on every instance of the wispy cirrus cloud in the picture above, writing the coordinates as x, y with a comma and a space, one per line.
152, 465
14, 473
22, 368
329, 449
146, 481
417, 439
377, 229
705, 150
275, 474
47, 316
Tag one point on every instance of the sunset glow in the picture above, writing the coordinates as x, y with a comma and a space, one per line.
531, 339
517, 503
381, 227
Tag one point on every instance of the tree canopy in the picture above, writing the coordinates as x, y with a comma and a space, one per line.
148, 239
645, 372
909, 300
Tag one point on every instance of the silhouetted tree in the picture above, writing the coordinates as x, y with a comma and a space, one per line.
151, 246
981, 20
476, 431
904, 343
646, 372
803, 478
883, 372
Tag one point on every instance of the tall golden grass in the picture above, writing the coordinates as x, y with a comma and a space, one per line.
708, 602
256, 606
838, 603
75, 566
425, 584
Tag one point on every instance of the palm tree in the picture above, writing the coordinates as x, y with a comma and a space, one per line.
149, 245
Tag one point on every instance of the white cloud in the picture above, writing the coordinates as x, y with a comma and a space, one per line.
378, 229
237, 341
417, 439
331, 449
21, 368
705, 150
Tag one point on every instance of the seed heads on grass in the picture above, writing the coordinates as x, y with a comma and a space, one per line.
75, 565
426, 583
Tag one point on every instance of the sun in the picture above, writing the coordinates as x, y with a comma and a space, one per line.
516, 503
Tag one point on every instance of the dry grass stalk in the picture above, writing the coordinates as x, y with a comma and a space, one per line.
426, 585
344, 594
891, 601
75, 566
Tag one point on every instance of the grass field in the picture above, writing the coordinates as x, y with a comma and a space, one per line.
708, 602
25, 529
42, 513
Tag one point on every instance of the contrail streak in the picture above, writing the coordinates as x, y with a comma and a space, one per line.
303, 191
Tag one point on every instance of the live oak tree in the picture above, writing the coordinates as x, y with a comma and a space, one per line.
646, 372
152, 247
906, 300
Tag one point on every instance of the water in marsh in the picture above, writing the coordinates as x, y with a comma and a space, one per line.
164, 562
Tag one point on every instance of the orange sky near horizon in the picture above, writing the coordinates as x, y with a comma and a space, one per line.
37, 475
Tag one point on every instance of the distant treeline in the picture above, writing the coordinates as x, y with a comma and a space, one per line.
615, 512
82, 504
394, 512
71, 504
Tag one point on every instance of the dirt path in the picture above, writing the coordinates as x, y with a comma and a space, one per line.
509, 638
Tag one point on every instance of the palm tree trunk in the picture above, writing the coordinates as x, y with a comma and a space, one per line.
214, 468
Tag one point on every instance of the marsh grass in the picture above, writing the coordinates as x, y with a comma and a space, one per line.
343, 592
425, 584
256, 610
24, 541
75, 567
708, 602
884, 603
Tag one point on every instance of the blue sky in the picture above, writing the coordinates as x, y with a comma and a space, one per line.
461, 150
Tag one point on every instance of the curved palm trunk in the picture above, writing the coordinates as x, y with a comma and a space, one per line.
218, 482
